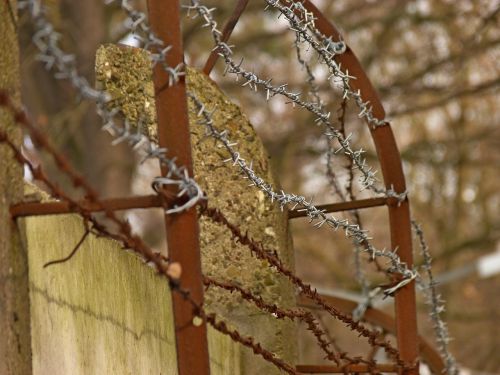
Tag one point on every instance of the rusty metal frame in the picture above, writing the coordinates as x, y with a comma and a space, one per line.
150, 201
392, 171
182, 228
60, 207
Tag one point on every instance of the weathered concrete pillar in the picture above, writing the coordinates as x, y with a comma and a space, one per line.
104, 311
126, 74
15, 351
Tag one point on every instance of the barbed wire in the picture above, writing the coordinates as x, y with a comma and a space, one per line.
51, 53
46, 39
139, 23
368, 178
300, 26
331, 176
284, 199
435, 303
313, 324
272, 258
326, 52
171, 270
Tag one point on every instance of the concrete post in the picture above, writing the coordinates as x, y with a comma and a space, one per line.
15, 350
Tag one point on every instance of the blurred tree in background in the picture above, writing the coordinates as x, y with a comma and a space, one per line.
435, 65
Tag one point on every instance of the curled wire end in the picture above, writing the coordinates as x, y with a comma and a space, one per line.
186, 186
402, 283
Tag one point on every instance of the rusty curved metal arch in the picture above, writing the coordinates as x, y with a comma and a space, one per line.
392, 171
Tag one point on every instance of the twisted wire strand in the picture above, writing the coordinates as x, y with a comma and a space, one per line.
306, 289
280, 313
332, 178
435, 303
284, 199
330, 49
46, 39
170, 270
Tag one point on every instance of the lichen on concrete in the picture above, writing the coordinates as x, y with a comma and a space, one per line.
131, 90
15, 350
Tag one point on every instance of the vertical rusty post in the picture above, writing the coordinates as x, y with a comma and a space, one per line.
399, 214
15, 336
182, 228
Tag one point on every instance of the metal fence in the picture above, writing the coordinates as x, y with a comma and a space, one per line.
183, 200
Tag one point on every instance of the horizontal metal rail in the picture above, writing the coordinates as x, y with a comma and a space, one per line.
23, 209
114, 204
343, 206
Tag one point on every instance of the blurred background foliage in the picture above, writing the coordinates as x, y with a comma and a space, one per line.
435, 64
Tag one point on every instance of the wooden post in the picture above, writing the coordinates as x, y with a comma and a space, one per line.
15, 342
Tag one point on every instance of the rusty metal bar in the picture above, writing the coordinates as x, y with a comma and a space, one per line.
113, 204
182, 228
354, 368
399, 214
343, 206
226, 33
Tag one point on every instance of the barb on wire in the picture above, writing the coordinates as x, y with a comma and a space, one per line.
260, 252
46, 39
74, 251
292, 314
435, 303
249, 342
315, 215
328, 51
170, 270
